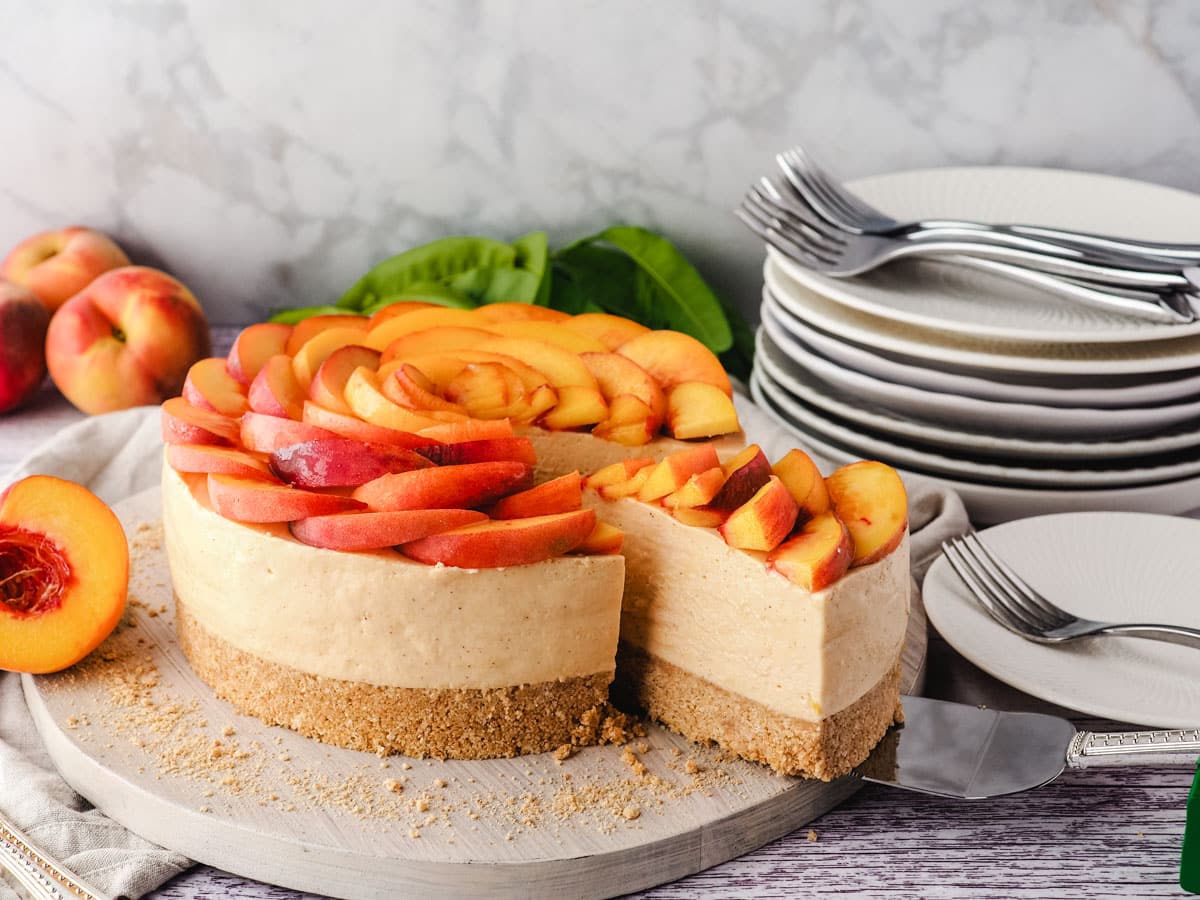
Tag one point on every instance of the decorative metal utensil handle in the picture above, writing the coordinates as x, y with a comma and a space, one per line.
36, 871
1134, 748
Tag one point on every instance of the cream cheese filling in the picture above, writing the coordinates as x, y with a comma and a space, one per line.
719, 613
380, 618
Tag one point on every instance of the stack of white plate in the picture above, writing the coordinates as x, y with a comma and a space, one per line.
1023, 403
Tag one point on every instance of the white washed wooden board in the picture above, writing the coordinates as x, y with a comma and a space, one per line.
492, 830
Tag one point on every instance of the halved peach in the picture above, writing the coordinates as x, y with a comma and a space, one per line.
205, 458
308, 358
611, 331
816, 555
604, 540
519, 312
254, 500
745, 474
801, 477
308, 328
562, 494
376, 530
369, 403
253, 346
384, 333
183, 423
505, 542
700, 516
328, 385
698, 490
763, 521
870, 498
446, 487
439, 339
696, 409
470, 430
341, 462
674, 471
354, 427
513, 449
399, 308
64, 574
552, 333
617, 473
209, 386
275, 390
673, 357
265, 434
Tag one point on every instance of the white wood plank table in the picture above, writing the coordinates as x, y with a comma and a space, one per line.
1096, 833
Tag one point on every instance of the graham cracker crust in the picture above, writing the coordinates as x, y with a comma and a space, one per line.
701, 711
440, 723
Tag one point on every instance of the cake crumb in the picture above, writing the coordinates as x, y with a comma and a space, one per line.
406, 766
812, 835
228, 731
439, 783
631, 812
394, 786
415, 833
692, 767
562, 753
630, 759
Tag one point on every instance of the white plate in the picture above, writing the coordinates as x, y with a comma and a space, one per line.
989, 503
899, 454
956, 299
1109, 392
884, 406
939, 348
1119, 567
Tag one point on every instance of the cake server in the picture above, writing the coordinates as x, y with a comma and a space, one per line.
969, 753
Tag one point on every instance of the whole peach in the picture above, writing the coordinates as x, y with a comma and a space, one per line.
23, 321
127, 339
57, 265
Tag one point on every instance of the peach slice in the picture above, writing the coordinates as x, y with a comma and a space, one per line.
617, 473
611, 331
64, 574
470, 430
341, 462
630, 422
205, 458
674, 471
209, 386
369, 403
308, 358
440, 339
552, 333
673, 357
520, 312
379, 337
446, 487
700, 516
513, 449
696, 409
254, 500
605, 540
183, 423
562, 494
254, 346
817, 555
620, 378
870, 498
763, 521
328, 386
505, 542
745, 474
698, 490
800, 475
408, 386
275, 390
628, 488
376, 530
577, 406
487, 391
400, 308
353, 427
309, 328
265, 434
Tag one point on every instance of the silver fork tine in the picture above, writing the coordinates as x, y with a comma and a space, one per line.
856, 207
808, 191
767, 231
981, 592
984, 578
794, 218
1054, 614
800, 238
814, 176
1017, 597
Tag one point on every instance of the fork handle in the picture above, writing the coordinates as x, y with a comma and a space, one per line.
36, 871
1170, 634
1089, 749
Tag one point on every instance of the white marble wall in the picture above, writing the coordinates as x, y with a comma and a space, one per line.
269, 152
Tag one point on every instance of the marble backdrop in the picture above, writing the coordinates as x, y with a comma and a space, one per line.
268, 153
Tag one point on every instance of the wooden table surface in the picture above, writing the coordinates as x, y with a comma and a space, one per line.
1096, 833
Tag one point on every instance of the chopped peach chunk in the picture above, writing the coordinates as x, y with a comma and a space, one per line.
870, 498
696, 409
673, 357
253, 346
254, 500
505, 542
210, 386
763, 521
817, 555
674, 471
562, 494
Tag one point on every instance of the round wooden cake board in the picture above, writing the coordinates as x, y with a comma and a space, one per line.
134, 731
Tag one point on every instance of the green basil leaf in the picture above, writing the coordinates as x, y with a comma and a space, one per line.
424, 293
488, 285
300, 313
533, 255
436, 263
685, 300
587, 278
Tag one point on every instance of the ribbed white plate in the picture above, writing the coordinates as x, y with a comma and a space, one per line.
1097, 392
1118, 567
940, 295
964, 424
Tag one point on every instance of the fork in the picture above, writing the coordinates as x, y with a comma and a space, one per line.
34, 869
839, 206
1024, 611
819, 246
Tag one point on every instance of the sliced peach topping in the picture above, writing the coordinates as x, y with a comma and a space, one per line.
630, 487
328, 386
505, 542
763, 521
308, 358
617, 473
64, 574
341, 462
353, 427
253, 346
400, 308
698, 490
439, 339
254, 500
801, 477
209, 386
817, 554
745, 474
266, 434
562, 494
376, 530
551, 333
611, 331
470, 430
673, 357
275, 390
520, 312
409, 387
696, 409
305, 330
870, 498
446, 487
205, 458
369, 403
384, 333
183, 423
700, 516
512, 449
604, 540
674, 471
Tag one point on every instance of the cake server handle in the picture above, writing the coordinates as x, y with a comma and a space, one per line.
38, 872
1176, 747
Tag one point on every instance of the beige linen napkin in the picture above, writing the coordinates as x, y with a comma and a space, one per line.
119, 455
